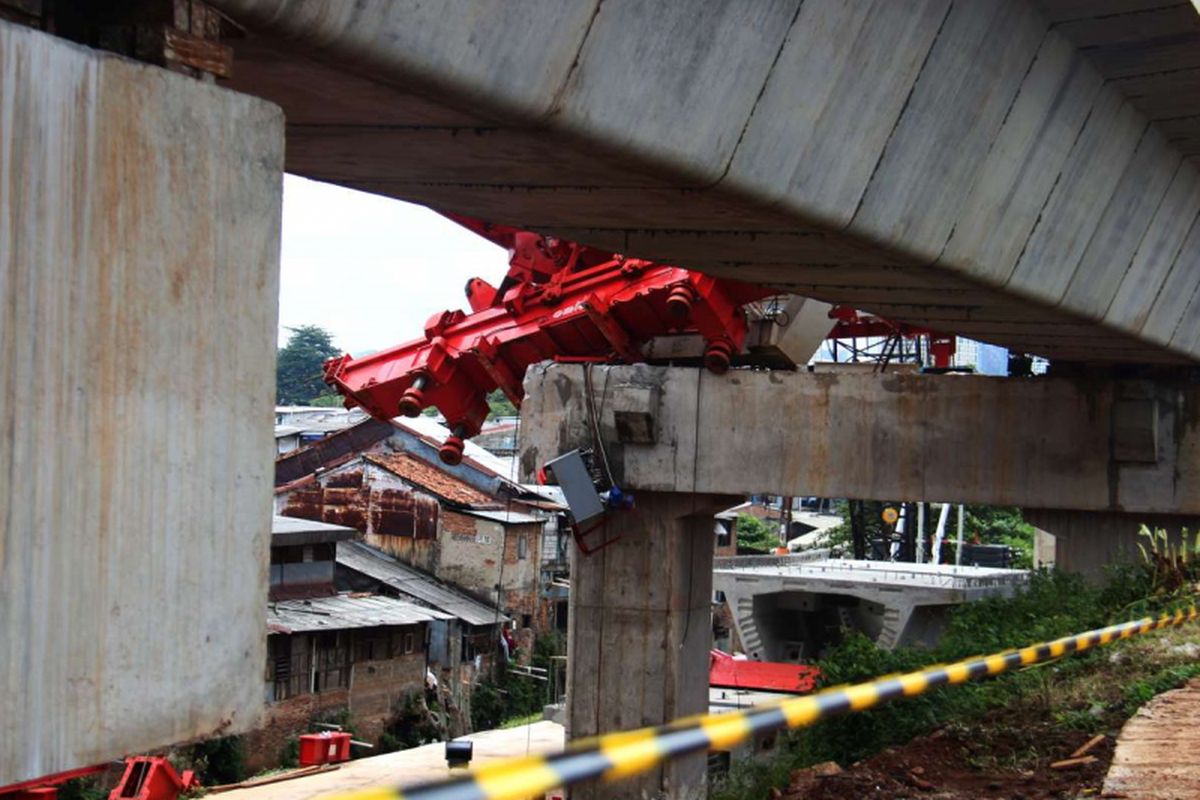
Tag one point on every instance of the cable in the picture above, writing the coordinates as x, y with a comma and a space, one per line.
623, 754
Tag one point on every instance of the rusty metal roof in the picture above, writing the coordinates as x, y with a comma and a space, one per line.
414, 583
345, 611
433, 480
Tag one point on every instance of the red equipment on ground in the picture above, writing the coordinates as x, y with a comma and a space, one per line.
559, 300
152, 778
727, 672
326, 747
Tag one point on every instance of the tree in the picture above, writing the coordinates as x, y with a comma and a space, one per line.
754, 534
298, 365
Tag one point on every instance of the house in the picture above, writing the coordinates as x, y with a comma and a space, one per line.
460, 647
299, 426
330, 654
426, 517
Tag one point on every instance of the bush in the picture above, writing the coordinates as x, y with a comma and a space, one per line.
217, 761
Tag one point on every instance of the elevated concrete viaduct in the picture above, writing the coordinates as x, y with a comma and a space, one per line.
1091, 459
1019, 172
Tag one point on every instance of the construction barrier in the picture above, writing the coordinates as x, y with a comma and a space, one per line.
620, 755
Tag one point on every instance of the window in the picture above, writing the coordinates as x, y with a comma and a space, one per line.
522, 548
718, 596
332, 667
408, 643
526, 620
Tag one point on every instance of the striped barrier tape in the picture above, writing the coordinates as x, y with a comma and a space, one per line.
620, 755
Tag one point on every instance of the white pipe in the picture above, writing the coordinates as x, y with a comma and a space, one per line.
958, 549
920, 533
940, 533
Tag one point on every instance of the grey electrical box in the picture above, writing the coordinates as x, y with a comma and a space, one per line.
573, 478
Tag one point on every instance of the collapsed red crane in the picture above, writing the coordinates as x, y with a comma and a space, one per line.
566, 302
559, 300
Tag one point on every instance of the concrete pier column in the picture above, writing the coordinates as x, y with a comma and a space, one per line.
1089, 541
640, 633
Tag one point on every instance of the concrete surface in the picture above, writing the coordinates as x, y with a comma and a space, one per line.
1156, 751
139, 257
1033, 442
641, 632
1087, 542
783, 610
1019, 172
412, 766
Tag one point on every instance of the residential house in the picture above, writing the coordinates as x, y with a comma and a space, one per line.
330, 654
460, 648
428, 518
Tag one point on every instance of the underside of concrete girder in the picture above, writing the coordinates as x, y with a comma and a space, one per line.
1017, 172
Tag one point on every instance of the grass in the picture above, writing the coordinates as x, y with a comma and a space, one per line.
517, 722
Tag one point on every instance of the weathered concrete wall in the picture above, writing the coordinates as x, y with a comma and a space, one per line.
1088, 542
1033, 442
139, 257
963, 165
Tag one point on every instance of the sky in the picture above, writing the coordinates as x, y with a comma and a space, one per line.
371, 270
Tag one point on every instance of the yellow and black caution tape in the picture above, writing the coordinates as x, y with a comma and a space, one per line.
619, 755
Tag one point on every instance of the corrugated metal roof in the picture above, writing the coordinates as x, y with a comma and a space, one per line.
502, 516
416, 584
345, 611
432, 479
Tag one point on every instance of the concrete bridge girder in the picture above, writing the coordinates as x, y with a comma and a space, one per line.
887, 155
1091, 445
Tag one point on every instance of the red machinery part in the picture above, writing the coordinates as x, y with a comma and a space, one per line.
727, 672
152, 778
567, 302
559, 300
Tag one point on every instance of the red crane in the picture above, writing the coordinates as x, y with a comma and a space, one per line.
559, 300
566, 302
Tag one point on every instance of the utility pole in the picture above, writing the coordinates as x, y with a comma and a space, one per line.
958, 549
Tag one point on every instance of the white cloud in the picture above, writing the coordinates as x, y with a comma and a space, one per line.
372, 270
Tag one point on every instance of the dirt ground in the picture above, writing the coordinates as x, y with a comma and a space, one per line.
1013, 763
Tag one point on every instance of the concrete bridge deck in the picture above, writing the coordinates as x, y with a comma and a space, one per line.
1020, 172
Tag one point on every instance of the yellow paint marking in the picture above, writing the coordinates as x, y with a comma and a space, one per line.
801, 711
516, 780
726, 730
957, 673
1058, 649
996, 664
862, 696
631, 752
915, 683
1029, 655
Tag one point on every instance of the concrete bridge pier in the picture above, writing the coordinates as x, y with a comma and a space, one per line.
1088, 542
640, 632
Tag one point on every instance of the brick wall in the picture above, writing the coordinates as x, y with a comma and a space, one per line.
285, 720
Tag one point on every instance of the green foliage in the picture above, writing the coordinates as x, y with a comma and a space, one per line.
327, 401
218, 761
412, 726
289, 756
1138, 693
1002, 525
499, 405
754, 534
505, 696
82, 789
299, 363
